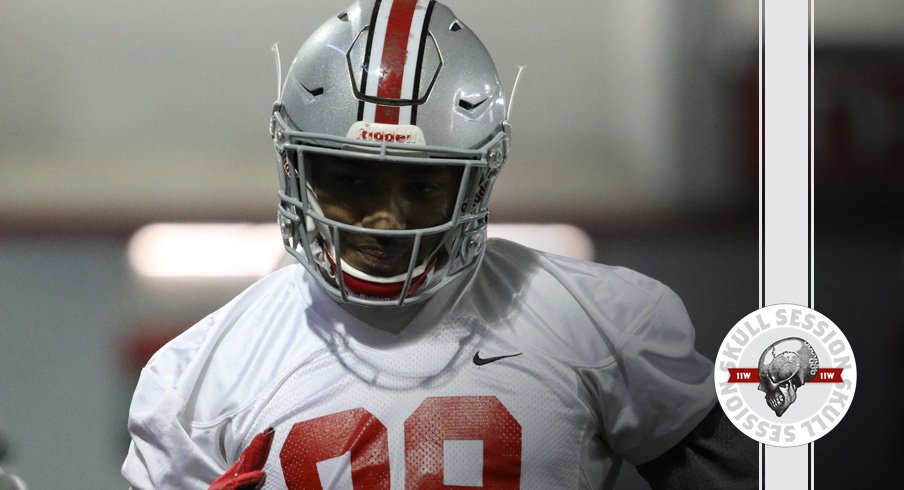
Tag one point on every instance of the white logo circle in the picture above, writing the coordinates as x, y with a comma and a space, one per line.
785, 375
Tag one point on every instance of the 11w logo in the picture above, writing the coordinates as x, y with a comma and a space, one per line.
830, 375
752, 375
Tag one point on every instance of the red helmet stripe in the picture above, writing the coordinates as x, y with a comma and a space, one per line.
395, 48
398, 45
387, 114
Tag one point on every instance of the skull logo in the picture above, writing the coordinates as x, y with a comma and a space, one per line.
784, 367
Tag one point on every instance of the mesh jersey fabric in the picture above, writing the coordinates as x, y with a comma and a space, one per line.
593, 364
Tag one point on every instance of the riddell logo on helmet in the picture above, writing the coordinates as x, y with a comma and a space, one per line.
386, 133
366, 135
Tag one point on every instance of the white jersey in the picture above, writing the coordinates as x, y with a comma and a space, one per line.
537, 372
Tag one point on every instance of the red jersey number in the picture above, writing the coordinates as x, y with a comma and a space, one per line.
356, 431
436, 420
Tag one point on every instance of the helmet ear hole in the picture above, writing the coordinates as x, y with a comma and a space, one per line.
470, 106
313, 91
456, 26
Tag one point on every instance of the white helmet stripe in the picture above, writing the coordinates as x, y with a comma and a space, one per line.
378, 38
375, 57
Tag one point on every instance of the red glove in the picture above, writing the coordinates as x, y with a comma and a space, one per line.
246, 473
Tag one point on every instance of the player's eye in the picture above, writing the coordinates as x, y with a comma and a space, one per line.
425, 188
349, 180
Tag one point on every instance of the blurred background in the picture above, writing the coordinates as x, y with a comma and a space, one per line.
635, 122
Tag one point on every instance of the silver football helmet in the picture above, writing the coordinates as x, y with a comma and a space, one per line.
390, 84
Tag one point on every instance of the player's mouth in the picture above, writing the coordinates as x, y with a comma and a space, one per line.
374, 258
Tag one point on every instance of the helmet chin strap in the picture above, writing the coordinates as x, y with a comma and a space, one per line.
359, 274
360, 282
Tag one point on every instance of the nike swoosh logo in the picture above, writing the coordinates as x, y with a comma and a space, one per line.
480, 361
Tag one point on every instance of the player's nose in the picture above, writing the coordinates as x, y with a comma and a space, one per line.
387, 212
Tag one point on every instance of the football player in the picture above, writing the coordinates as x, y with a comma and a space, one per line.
405, 350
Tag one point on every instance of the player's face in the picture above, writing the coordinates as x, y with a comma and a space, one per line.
384, 196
